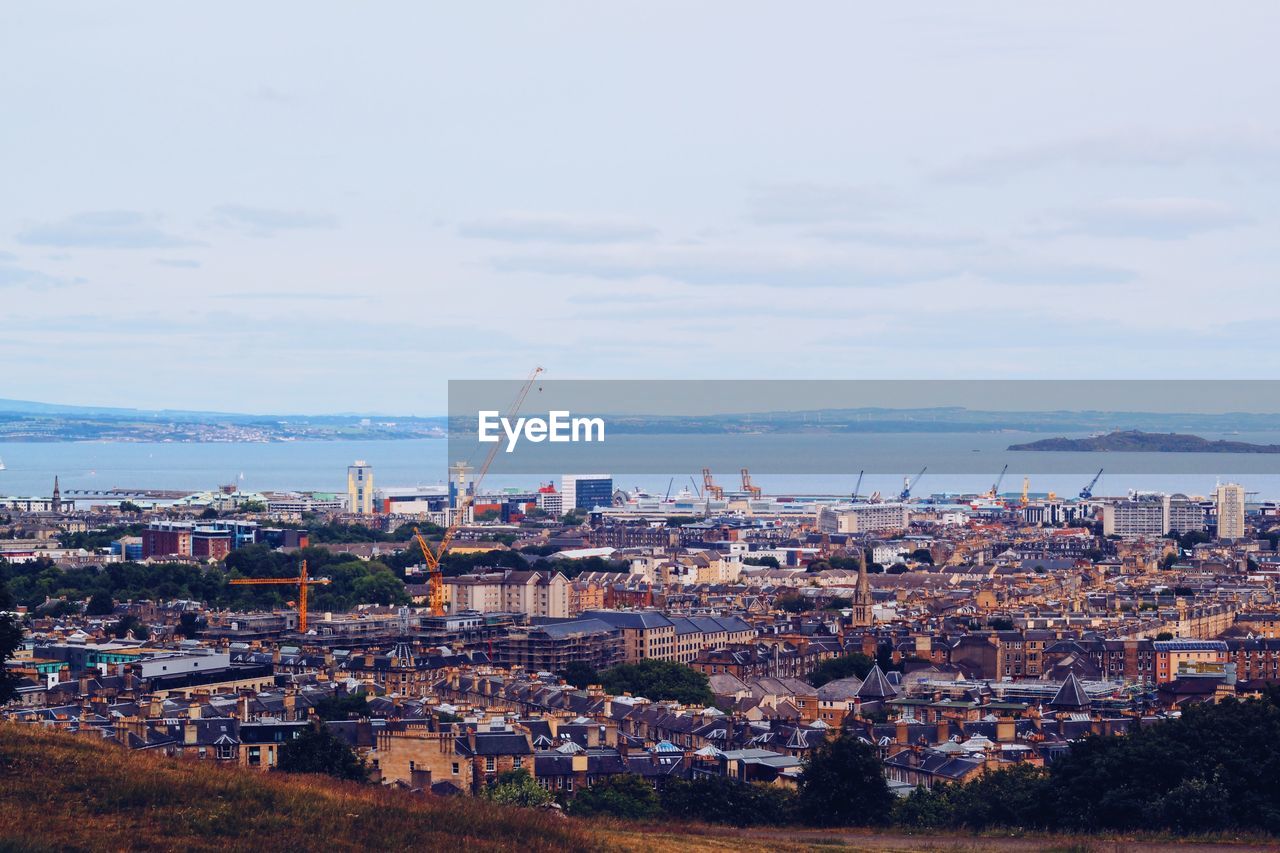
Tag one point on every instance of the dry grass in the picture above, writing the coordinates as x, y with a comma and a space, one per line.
65, 792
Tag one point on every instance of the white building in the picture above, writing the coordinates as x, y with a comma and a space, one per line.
1229, 504
865, 518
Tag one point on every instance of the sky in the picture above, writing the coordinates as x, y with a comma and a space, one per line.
332, 207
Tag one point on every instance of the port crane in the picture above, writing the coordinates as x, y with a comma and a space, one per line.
301, 581
435, 578
995, 488
1087, 491
857, 489
909, 484
709, 487
749, 487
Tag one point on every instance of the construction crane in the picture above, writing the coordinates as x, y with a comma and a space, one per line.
995, 488
1026, 489
1087, 491
747, 486
435, 594
908, 485
709, 487
857, 489
301, 581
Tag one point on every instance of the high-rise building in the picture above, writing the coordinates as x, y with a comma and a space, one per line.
360, 487
586, 491
1229, 505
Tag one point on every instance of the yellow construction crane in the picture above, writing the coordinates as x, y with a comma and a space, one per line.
301, 581
435, 594
1026, 487
709, 487
747, 486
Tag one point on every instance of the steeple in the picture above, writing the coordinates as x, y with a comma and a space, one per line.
862, 617
56, 503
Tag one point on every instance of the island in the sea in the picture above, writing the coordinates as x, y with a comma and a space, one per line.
1135, 441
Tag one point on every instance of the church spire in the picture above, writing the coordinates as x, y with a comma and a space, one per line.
862, 602
56, 503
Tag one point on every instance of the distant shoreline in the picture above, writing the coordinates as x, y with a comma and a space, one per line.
1134, 441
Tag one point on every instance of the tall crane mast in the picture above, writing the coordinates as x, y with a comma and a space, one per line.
709, 487
1087, 491
747, 486
857, 489
301, 581
908, 485
435, 595
995, 489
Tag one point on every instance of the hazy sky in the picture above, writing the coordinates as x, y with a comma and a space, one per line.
336, 206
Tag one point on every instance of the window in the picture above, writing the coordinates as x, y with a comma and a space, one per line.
518, 762
455, 768
490, 764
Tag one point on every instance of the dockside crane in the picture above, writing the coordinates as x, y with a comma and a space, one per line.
435, 578
909, 484
995, 488
301, 581
749, 487
857, 489
1087, 491
709, 487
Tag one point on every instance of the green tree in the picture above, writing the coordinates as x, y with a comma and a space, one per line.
765, 560
344, 706
190, 625
10, 639
716, 799
659, 680
318, 750
517, 788
580, 674
856, 665
842, 784
624, 795
100, 604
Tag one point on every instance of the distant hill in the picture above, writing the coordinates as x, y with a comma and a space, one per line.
1134, 441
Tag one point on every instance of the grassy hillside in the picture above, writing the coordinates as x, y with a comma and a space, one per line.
70, 792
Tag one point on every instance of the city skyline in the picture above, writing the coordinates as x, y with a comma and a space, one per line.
617, 194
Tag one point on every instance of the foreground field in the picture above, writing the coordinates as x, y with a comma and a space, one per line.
65, 792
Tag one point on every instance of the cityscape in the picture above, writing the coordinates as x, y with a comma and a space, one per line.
643, 427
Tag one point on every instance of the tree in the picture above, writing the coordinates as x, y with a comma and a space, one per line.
922, 555
765, 560
842, 784
580, 674
318, 750
129, 506
1164, 635
658, 680
190, 625
624, 795
10, 639
856, 665
717, 799
517, 788
100, 604
209, 512
343, 706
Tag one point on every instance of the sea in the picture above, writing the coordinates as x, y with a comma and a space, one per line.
957, 463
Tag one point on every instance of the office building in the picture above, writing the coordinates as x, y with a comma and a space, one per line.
1228, 502
865, 518
586, 491
360, 487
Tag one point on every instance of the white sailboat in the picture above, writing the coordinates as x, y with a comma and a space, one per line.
1, 464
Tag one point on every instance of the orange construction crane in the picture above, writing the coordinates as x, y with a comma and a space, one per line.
435, 595
747, 486
301, 581
709, 487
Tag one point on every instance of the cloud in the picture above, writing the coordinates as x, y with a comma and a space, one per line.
12, 275
896, 238
108, 229
267, 222
178, 263
1122, 148
808, 204
539, 228
1050, 273
1154, 218
721, 267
